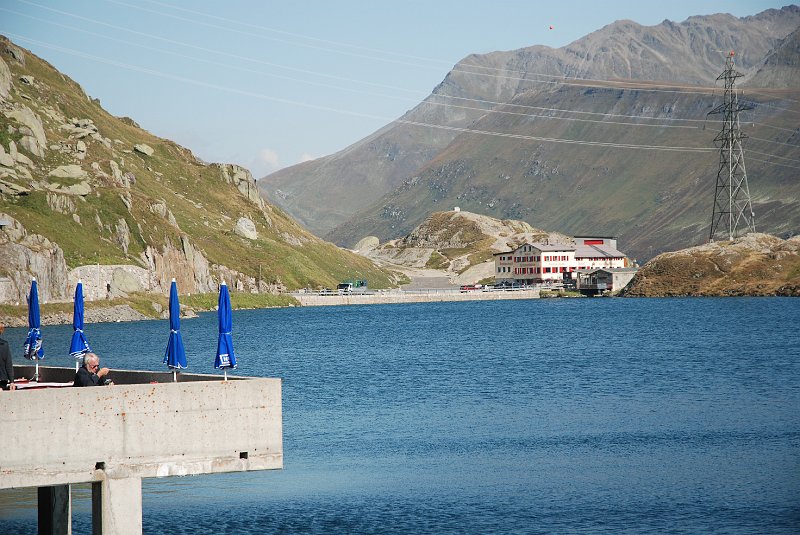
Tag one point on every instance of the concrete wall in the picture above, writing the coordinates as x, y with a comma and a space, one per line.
408, 297
70, 435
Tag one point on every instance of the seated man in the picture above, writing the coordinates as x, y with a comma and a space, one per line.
6, 365
90, 374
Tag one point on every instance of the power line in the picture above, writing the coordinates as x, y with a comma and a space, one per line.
557, 140
292, 34
577, 119
338, 110
253, 34
439, 95
204, 60
314, 73
208, 50
751, 151
228, 65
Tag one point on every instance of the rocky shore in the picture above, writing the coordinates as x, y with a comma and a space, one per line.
752, 265
111, 314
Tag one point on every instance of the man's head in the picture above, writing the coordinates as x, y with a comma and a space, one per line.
91, 362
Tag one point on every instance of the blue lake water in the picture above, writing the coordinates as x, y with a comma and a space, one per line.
541, 416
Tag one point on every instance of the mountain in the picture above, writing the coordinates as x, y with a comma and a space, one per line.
86, 195
755, 264
484, 139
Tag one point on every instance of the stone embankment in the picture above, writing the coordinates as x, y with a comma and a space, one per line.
111, 314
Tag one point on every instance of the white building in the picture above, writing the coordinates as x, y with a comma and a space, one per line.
532, 263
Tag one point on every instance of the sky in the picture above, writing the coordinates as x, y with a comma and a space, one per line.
268, 84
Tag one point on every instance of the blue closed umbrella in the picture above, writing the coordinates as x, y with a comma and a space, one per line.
79, 346
33, 349
225, 357
175, 356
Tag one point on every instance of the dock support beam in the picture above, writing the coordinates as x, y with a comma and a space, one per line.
55, 510
117, 506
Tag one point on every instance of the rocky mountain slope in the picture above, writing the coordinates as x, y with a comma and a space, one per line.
459, 244
86, 195
625, 84
756, 264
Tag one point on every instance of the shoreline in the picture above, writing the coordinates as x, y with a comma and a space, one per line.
120, 313
397, 297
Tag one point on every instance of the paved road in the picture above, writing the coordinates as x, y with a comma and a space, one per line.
425, 283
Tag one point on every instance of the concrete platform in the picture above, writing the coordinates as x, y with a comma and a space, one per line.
113, 436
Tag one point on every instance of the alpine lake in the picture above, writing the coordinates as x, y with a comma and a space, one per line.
677, 415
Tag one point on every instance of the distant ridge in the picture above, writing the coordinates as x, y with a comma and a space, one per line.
387, 183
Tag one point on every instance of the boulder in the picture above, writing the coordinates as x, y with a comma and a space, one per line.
147, 150
367, 244
246, 229
10, 188
15, 53
68, 171
123, 283
34, 139
81, 188
6, 160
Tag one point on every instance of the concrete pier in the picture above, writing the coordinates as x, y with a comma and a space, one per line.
114, 436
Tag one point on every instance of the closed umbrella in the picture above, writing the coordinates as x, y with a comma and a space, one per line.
33, 349
79, 346
175, 356
225, 357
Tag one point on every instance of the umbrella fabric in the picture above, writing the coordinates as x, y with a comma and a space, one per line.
33, 349
175, 356
225, 356
79, 346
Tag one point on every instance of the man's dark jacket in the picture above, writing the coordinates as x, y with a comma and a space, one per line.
6, 365
84, 378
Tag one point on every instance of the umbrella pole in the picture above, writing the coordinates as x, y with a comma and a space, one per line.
225, 370
36, 373
174, 376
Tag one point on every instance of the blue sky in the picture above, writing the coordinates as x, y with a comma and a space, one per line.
267, 84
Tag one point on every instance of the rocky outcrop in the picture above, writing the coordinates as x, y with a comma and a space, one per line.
5, 80
62, 204
26, 256
245, 228
33, 139
451, 240
755, 264
243, 180
160, 208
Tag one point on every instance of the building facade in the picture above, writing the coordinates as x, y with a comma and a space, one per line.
604, 280
533, 263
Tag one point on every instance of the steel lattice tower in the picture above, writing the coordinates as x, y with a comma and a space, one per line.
732, 207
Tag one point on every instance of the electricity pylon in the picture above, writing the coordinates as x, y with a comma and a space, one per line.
732, 207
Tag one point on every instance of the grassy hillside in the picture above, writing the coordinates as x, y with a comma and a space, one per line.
137, 201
